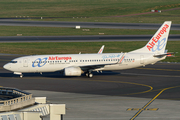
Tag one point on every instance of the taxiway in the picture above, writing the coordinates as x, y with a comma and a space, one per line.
150, 92
7, 22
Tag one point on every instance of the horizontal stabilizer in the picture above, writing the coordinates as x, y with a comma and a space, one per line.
166, 54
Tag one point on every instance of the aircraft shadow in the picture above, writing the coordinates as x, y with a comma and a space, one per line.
56, 74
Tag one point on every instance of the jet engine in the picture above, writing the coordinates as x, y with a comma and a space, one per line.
73, 71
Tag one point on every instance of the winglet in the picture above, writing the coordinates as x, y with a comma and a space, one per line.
121, 59
101, 50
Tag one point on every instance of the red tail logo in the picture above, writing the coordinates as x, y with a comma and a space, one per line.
156, 39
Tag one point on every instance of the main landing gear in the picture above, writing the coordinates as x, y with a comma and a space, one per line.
89, 74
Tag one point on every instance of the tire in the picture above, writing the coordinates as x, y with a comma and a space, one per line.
90, 75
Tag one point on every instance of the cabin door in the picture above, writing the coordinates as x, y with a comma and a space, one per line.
25, 62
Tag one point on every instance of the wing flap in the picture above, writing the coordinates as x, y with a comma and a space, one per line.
98, 66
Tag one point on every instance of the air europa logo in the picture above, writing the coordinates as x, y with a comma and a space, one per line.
39, 62
160, 45
156, 39
59, 58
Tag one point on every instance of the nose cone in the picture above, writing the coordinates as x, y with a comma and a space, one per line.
7, 66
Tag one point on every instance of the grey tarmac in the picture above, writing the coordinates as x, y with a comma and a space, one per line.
153, 90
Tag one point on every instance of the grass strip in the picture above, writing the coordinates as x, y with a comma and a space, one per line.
57, 31
93, 10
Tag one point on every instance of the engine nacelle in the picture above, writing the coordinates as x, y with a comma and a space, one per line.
72, 71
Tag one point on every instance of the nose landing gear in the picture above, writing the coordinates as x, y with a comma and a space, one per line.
21, 75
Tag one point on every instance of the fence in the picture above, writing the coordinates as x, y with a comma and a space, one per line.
20, 99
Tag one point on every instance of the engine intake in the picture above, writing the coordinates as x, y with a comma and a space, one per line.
73, 71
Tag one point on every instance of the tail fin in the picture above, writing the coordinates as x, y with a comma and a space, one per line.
157, 43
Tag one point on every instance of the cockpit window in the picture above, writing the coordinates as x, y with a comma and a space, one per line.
13, 62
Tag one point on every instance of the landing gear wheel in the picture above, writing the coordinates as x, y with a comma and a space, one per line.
90, 75
21, 76
87, 74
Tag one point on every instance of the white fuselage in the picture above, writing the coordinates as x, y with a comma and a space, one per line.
52, 63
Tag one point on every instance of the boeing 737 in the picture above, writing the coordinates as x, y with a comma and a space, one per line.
76, 64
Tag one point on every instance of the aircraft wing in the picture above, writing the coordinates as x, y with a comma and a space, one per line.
101, 50
99, 66
92, 67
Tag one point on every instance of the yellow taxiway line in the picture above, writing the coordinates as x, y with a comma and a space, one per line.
145, 106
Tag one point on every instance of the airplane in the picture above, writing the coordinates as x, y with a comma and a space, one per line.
77, 64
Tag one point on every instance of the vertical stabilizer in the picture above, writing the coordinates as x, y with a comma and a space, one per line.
157, 43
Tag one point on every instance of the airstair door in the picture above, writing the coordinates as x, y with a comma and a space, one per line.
25, 62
